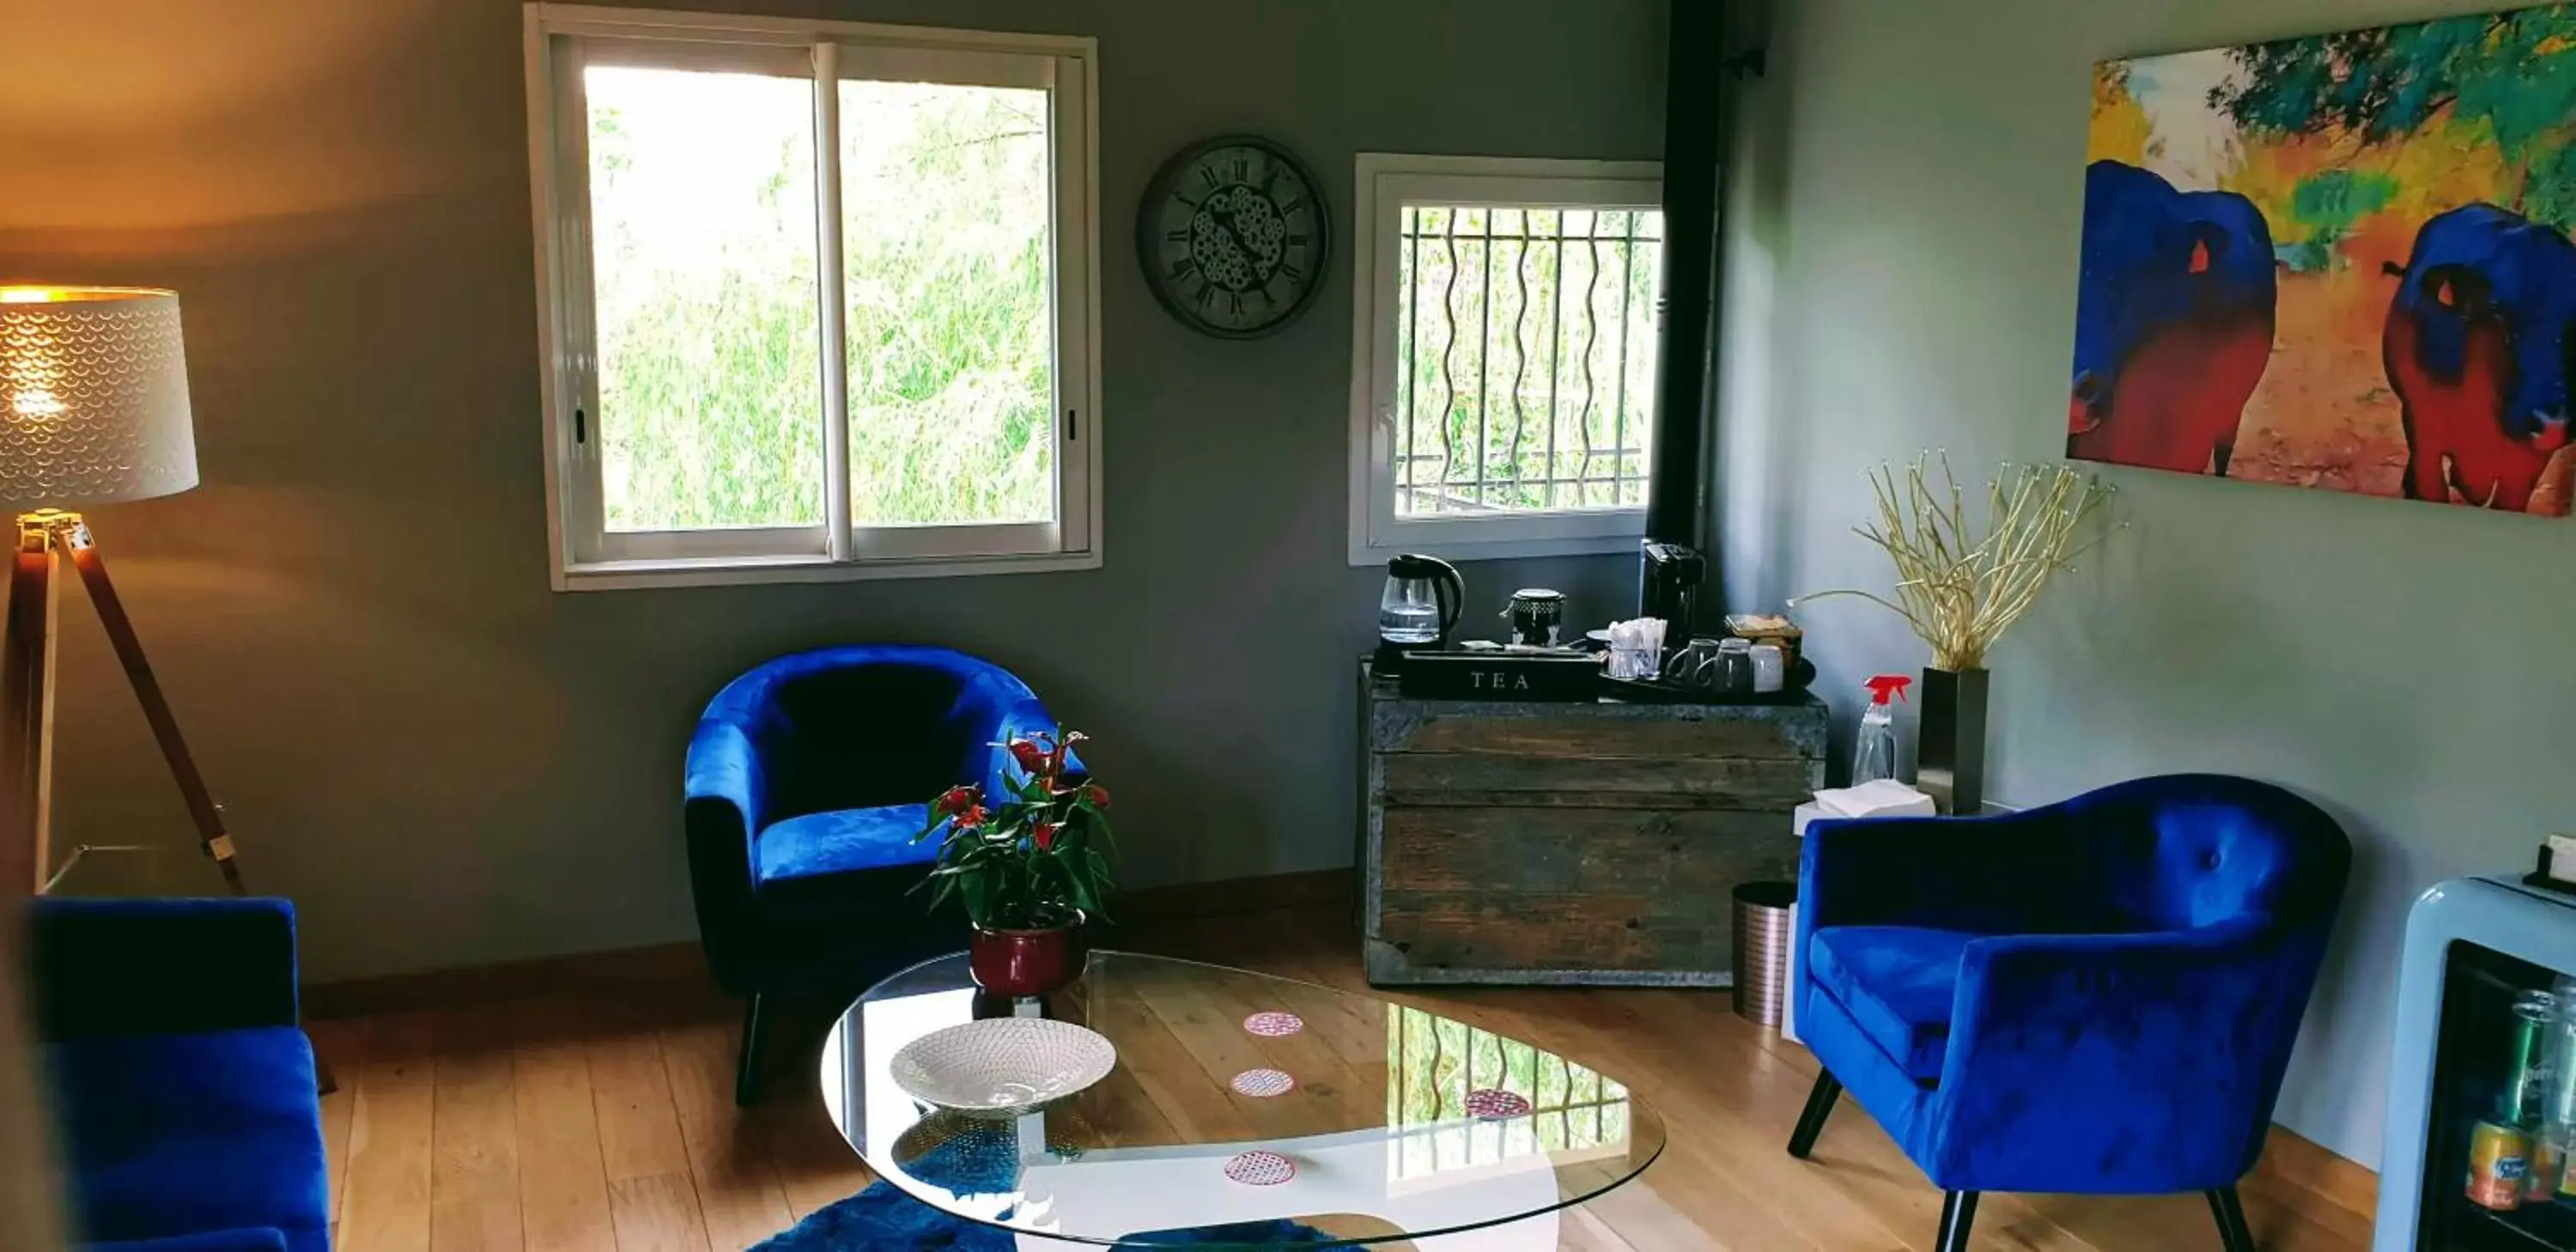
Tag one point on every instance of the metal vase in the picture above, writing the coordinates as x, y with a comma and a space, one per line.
1950, 745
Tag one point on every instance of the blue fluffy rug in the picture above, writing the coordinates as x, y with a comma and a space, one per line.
882, 1219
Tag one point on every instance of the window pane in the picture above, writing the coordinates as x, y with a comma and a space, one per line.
1525, 350
710, 365
947, 251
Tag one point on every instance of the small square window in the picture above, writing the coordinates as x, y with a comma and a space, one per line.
1503, 355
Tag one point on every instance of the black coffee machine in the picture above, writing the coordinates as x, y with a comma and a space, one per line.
1668, 587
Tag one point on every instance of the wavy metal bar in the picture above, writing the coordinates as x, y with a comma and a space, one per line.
1555, 355
1448, 353
1520, 345
1591, 341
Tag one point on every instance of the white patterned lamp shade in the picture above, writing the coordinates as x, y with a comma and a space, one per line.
93, 397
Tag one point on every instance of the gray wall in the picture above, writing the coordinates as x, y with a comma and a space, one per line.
446, 763
1903, 277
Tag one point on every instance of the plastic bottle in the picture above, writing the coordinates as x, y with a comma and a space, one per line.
1875, 756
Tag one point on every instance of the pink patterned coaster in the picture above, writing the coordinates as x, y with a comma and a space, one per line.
1264, 1083
1260, 1168
1274, 1025
1492, 1103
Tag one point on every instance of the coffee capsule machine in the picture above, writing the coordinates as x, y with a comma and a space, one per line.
1669, 580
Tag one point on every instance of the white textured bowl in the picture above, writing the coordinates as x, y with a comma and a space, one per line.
1002, 1064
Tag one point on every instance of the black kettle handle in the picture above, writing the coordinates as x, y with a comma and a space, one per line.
1451, 587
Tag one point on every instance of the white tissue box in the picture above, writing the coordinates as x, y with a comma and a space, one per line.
1885, 797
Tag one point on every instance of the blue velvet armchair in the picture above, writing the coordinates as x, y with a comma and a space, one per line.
807, 779
183, 1085
2095, 997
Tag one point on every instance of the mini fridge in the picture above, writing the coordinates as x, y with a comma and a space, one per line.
2473, 947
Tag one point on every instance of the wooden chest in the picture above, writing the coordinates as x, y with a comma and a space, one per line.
1571, 843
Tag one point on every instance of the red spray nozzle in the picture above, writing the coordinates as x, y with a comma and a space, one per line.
1886, 685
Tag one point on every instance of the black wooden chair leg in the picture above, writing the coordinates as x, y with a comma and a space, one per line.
1820, 1105
1958, 1212
746, 1076
2233, 1234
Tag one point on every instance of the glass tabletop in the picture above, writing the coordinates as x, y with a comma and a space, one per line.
1387, 1122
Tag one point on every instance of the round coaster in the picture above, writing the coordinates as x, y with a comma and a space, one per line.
1263, 1083
1492, 1103
1274, 1025
1260, 1168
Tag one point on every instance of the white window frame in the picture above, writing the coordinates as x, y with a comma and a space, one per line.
584, 555
1386, 182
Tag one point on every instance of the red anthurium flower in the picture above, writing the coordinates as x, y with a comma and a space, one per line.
1055, 761
972, 816
1044, 835
1030, 756
1097, 795
954, 800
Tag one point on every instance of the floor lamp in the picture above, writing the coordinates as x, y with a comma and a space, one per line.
93, 410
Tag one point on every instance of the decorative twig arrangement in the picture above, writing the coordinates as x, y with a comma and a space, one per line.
1962, 588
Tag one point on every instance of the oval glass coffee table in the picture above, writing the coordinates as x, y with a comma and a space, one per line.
1242, 1098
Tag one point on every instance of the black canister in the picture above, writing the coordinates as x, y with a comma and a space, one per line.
1536, 614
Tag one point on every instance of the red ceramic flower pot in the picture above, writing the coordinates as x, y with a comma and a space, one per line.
1025, 962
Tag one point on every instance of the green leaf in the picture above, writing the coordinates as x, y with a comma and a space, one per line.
1099, 866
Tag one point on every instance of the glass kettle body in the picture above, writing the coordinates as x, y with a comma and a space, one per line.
1421, 602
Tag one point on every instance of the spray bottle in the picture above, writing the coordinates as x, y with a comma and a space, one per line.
1875, 756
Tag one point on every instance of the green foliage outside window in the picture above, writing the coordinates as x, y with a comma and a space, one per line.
702, 192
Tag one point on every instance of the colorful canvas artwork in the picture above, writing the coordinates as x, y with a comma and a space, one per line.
2338, 262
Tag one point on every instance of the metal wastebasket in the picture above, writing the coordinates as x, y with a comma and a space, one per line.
1762, 941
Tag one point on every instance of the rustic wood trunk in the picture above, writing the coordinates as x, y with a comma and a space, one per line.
1572, 843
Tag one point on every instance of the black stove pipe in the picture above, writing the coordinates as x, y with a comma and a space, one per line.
1694, 136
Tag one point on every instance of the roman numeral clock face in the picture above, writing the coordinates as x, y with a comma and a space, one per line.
1233, 235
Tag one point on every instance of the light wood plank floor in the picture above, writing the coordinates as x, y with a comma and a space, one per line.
606, 1124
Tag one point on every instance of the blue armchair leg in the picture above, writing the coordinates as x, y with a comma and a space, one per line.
746, 1076
1958, 1211
2233, 1234
1820, 1105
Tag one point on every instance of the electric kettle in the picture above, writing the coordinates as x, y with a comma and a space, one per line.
1420, 605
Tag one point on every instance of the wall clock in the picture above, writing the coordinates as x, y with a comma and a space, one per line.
1234, 236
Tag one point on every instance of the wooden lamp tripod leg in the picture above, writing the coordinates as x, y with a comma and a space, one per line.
26, 706
156, 707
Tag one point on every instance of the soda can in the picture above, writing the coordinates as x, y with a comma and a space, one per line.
2548, 1169
2499, 1166
2526, 1081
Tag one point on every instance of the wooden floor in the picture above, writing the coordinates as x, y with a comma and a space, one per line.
606, 1124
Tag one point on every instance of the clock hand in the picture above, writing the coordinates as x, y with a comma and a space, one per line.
1225, 222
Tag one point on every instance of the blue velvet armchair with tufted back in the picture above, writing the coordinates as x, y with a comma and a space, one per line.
2095, 997
807, 779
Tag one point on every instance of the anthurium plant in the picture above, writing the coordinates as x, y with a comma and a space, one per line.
1030, 859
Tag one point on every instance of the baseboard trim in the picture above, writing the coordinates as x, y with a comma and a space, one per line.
668, 967
1182, 902
661, 968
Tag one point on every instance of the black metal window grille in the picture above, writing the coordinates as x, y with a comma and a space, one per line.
1525, 358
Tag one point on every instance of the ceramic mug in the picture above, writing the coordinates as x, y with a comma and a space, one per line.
1695, 665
